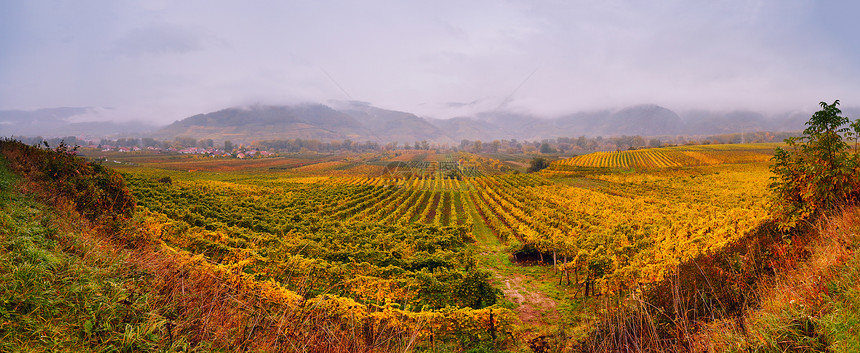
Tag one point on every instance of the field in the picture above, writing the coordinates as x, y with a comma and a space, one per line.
669, 157
399, 232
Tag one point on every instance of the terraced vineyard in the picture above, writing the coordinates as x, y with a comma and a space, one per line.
669, 157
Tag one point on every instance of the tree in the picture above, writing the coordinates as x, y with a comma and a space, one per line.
149, 142
495, 145
228, 146
537, 164
184, 142
546, 148
816, 173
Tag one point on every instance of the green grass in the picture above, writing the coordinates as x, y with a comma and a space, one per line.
58, 293
815, 308
842, 322
575, 312
832, 325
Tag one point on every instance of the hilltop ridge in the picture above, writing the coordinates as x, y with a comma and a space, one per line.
359, 121
362, 121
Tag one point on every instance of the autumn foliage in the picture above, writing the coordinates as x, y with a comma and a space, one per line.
98, 193
818, 171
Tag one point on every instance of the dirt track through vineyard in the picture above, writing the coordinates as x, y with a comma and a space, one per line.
534, 307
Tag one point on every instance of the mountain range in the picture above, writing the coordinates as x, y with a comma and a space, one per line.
361, 121
63, 121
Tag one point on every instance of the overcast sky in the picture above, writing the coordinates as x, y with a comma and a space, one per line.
165, 60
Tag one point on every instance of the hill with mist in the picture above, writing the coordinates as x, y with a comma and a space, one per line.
360, 121
305, 121
363, 122
65, 121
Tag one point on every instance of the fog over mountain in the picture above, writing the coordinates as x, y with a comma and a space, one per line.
66, 121
362, 121
359, 121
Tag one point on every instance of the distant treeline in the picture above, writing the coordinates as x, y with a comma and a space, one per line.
560, 145
583, 144
299, 145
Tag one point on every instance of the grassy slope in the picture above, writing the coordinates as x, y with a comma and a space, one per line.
814, 306
61, 292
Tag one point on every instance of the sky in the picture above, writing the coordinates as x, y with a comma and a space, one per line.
161, 61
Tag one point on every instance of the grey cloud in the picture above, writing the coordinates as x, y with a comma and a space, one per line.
158, 39
168, 60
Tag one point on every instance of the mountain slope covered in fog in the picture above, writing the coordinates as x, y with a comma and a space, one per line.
364, 122
64, 121
359, 121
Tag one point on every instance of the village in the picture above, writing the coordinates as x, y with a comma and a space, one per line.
241, 152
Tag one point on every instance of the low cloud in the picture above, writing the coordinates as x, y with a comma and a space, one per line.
158, 39
163, 61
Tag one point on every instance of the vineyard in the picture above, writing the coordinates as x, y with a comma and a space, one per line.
629, 230
315, 227
398, 165
669, 157
384, 253
403, 239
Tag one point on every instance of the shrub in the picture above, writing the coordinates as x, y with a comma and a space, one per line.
817, 171
98, 193
537, 164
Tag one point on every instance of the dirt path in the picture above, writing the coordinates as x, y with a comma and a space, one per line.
534, 307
